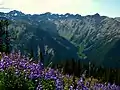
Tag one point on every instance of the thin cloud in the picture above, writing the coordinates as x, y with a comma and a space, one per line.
54, 6
4, 8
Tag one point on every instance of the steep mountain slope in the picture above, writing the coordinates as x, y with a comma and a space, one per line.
98, 36
35, 37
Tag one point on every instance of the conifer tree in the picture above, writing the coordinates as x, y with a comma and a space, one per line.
31, 53
38, 52
66, 66
41, 57
4, 36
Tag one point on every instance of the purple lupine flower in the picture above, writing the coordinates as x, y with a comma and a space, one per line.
39, 87
71, 87
59, 84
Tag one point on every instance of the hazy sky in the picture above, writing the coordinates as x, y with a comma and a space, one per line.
84, 7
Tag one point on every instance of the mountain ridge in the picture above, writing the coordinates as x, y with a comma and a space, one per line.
95, 34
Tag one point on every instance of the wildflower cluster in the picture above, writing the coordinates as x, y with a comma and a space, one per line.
20, 73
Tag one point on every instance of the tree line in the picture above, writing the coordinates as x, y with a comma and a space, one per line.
102, 73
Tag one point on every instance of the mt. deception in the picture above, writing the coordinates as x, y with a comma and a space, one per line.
58, 36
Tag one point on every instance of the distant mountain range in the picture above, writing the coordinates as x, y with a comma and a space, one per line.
58, 36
